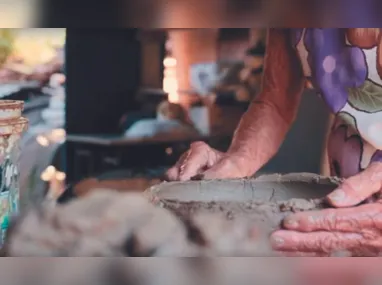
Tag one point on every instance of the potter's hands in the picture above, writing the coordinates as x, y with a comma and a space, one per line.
356, 230
203, 162
264, 125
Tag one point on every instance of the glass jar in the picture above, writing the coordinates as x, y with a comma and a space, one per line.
12, 126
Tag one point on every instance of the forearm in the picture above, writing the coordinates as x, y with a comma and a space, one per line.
269, 117
259, 134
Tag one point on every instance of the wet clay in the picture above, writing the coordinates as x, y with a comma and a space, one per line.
263, 201
204, 218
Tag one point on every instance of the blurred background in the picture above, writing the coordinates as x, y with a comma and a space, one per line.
116, 107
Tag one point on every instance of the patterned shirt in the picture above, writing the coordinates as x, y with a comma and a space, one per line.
347, 80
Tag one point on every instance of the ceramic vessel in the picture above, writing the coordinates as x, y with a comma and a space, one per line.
12, 126
261, 202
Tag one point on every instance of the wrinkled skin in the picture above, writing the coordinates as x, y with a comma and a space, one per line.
202, 160
348, 227
351, 229
266, 122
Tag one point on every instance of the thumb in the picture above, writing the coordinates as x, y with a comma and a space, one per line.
358, 188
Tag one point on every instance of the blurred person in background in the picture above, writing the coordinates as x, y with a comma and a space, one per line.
172, 119
345, 66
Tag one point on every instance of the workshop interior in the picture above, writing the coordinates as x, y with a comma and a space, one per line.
93, 118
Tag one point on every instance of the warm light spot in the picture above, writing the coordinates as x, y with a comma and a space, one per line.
37, 46
57, 135
173, 97
50, 170
48, 173
61, 176
169, 150
43, 141
169, 62
45, 177
170, 83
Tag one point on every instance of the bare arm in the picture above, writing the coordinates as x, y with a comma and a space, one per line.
263, 127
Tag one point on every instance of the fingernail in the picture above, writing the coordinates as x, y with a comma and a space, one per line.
337, 196
290, 223
277, 241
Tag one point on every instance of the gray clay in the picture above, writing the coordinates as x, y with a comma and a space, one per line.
263, 201
203, 218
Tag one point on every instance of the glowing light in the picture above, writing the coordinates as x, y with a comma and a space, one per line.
37, 46
45, 177
170, 83
60, 176
50, 169
43, 141
56, 181
169, 62
48, 173
57, 135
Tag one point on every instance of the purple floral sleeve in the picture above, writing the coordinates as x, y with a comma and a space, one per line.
336, 67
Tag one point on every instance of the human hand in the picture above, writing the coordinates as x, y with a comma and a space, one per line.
353, 231
203, 162
356, 230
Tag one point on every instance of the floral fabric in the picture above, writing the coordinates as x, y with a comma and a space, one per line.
347, 80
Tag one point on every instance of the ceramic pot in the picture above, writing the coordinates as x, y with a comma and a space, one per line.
263, 202
12, 125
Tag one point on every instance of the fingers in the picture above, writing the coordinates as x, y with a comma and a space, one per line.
197, 159
228, 167
203, 162
343, 220
357, 188
173, 173
327, 242
223, 169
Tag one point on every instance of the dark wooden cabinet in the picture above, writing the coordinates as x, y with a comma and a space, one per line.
103, 76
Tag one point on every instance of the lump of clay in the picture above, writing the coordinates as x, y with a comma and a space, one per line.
106, 223
110, 223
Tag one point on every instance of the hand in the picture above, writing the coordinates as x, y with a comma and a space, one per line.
356, 230
203, 162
